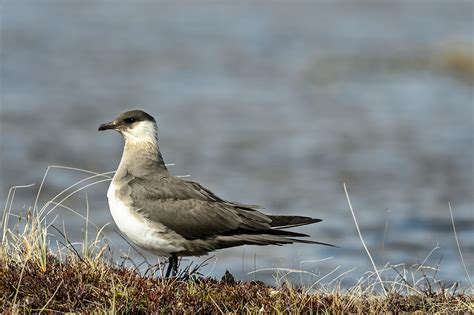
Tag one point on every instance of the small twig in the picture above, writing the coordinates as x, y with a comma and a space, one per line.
125, 258
435, 272
192, 269
403, 278
52, 296
152, 268
70, 246
429, 290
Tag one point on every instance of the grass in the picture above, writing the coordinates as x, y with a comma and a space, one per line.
83, 277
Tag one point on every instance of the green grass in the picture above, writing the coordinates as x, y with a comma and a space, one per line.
83, 278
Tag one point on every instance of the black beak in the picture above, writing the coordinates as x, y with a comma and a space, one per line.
106, 126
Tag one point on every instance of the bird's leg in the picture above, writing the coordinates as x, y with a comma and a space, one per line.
174, 264
168, 270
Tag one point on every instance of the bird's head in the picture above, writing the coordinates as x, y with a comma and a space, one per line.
136, 126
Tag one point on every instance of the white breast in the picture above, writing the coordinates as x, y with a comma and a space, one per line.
146, 235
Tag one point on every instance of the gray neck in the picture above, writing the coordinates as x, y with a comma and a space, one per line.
141, 160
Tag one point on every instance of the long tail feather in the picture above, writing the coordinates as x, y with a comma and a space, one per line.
289, 221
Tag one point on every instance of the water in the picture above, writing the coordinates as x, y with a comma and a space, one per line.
270, 104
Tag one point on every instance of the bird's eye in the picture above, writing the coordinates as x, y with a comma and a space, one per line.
129, 121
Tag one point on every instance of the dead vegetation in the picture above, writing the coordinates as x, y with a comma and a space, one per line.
75, 285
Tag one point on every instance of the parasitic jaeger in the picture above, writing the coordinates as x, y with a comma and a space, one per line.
171, 216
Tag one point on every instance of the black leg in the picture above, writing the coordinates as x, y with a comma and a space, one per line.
174, 257
168, 270
172, 266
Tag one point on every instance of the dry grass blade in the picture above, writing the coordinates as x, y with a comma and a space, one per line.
8, 207
459, 246
65, 168
52, 297
43, 209
362, 239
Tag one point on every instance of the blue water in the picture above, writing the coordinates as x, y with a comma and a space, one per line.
272, 104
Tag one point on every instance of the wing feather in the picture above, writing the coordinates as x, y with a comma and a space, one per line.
195, 212
190, 209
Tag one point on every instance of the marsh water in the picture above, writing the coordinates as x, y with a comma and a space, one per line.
272, 104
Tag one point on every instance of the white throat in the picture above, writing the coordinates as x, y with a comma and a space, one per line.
144, 133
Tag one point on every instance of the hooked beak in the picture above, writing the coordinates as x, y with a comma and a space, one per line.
106, 126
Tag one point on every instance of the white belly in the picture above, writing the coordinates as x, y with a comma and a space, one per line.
144, 234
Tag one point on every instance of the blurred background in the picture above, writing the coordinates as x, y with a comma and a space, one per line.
270, 103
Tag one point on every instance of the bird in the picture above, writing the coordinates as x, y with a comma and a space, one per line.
172, 216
